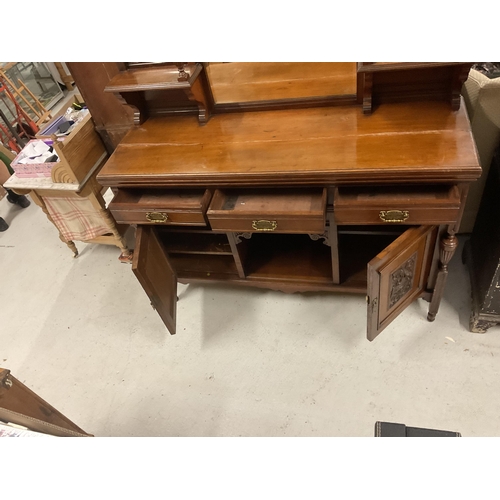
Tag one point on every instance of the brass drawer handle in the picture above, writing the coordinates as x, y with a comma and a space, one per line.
264, 225
394, 215
156, 217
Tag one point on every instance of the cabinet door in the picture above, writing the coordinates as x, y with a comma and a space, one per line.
156, 275
398, 275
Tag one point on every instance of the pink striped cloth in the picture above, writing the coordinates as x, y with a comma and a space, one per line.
76, 218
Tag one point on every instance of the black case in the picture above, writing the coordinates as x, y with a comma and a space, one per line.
390, 429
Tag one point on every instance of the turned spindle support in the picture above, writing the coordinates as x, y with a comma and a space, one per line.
447, 247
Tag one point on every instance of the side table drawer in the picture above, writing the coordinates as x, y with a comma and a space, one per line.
300, 211
160, 206
397, 205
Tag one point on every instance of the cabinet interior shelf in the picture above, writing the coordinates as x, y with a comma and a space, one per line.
196, 242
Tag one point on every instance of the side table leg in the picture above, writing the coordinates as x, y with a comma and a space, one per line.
126, 256
447, 247
71, 246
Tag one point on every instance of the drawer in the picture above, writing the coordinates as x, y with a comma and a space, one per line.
268, 210
160, 206
397, 205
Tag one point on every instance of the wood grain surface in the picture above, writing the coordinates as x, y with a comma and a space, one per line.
410, 142
252, 81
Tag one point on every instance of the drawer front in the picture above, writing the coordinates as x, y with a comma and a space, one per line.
160, 207
256, 224
160, 216
268, 211
401, 215
403, 205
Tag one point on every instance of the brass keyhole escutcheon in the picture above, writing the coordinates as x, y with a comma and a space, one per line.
156, 217
265, 225
394, 215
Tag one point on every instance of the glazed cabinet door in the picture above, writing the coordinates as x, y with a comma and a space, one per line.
397, 276
154, 271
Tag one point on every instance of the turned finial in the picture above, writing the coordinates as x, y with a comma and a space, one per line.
183, 76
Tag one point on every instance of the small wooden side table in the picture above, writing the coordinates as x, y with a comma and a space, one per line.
73, 193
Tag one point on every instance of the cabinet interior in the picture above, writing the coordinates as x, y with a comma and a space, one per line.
203, 254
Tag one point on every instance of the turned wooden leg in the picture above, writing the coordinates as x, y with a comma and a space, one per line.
447, 247
71, 246
126, 256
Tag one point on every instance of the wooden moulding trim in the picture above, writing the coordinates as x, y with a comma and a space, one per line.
294, 103
278, 284
373, 67
307, 102
157, 86
186, 84
285, 179
159, 112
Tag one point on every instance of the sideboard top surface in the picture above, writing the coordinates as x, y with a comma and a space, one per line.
400, 142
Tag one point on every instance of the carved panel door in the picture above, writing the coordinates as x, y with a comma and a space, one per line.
397, 276
152, 268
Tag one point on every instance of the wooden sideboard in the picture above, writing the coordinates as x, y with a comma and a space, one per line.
295, 194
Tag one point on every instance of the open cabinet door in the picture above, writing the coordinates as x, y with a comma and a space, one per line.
398, 275
156, 275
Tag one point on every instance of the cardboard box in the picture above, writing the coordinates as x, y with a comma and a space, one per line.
32, 169
51, 128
